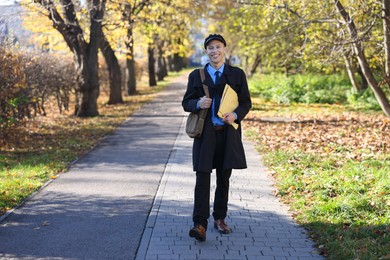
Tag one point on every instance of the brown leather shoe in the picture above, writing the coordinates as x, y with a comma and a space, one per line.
198, 232
222, 227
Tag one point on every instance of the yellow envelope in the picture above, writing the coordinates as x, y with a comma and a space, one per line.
229, 103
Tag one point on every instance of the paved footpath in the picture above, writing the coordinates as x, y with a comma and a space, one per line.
131, 198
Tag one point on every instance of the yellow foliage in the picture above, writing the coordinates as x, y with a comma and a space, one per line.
35, 19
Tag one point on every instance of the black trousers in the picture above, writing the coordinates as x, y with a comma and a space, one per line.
201, 211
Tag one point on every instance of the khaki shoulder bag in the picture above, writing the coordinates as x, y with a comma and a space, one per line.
195, 121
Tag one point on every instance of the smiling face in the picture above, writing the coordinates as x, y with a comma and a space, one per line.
216, 51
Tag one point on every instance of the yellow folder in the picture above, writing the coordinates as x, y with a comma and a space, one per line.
229, 103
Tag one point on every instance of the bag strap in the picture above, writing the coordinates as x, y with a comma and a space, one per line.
205, 87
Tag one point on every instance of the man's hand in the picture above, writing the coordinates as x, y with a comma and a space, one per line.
229, 118
204, 102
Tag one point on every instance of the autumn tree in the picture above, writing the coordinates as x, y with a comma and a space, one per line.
317, 36
151, 26
66, 22
130, 11
162, 24
358, 48
182, 18
49, 39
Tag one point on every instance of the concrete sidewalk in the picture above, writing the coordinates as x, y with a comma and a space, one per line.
262, 226
131, 198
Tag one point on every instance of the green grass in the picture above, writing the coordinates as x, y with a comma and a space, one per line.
20, 177
334, 175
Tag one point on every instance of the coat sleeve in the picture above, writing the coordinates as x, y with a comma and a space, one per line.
192, 94
244, 99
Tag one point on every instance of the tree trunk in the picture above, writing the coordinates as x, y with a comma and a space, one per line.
161, 65
82, 79
178, 62
351, 71
88, 106
255, 65
88, 103
246, 64
131, 81
359, 51
130, 63
386, 30
364, 84
170, 63
151, 63
114, 71
88, 81
165, 66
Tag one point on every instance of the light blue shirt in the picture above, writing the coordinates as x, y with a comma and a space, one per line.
212, 71
216, 120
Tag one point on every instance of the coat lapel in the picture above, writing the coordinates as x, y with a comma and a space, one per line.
222, 81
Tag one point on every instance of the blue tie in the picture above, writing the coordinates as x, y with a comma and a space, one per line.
217, 76
217, 98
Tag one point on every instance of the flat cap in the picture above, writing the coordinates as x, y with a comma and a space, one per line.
211, 37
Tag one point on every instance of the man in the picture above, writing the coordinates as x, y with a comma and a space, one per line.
220, 146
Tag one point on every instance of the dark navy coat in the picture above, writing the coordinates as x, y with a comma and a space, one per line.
204, 146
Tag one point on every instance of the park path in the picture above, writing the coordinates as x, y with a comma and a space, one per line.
131, 198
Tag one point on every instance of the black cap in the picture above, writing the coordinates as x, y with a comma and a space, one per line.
211, 37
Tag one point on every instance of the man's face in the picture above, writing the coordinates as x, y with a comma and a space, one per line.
216, 52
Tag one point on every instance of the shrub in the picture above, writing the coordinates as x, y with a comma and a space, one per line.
28, 81
365, 99
307, 88
13, 96
49, 75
